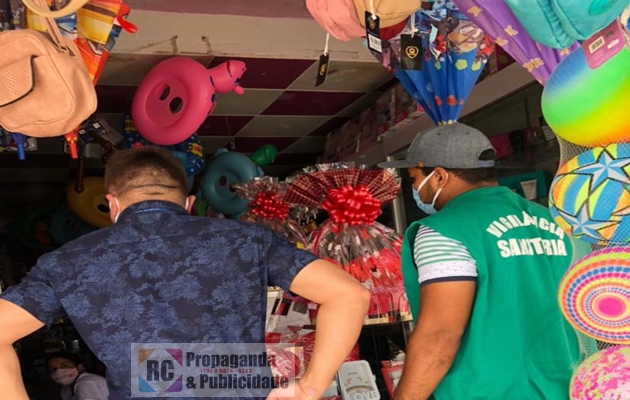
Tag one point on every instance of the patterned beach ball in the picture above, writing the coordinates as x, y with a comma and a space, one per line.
594, 295
590, 195
603, 376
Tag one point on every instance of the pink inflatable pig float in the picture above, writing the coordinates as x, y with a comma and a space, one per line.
226, 77
178, 94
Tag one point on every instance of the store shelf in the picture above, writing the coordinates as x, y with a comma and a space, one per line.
489, 91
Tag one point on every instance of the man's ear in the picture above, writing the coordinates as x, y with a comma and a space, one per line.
191, 203
442, 175
113, 206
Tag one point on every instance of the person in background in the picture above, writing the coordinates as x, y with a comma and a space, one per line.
481, 273
160, 275
67, 370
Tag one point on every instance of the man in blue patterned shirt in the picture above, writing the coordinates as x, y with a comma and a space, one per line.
159, 275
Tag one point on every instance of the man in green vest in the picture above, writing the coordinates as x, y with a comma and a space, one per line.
481, 273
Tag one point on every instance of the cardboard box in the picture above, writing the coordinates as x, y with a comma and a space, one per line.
369, 132
350, 132
333, 145
384, 114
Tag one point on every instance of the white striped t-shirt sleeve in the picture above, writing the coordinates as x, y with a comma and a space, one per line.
440, 258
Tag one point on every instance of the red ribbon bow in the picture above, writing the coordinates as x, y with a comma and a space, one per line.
269, 206
352, 205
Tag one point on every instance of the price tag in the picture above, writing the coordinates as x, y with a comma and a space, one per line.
372, 28
411, 52
604, 45
322, 69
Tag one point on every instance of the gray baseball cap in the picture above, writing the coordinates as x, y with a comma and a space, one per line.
453, 146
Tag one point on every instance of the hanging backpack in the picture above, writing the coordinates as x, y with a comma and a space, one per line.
45, 89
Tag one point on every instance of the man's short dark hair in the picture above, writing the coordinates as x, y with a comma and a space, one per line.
475, 175
151, 170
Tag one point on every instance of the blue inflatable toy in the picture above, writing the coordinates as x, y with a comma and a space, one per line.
224, 170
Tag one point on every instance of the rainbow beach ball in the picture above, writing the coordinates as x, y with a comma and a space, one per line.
589, 107
590, 195
603, 376
594, 295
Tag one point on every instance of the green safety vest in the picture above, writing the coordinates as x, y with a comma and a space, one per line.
517, 345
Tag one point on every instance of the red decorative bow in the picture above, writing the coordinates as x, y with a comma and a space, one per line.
270, 206
352, 205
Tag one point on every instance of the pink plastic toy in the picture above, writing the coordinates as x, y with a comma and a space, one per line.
226, 77
173, 100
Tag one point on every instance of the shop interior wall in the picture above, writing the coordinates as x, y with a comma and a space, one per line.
518, 111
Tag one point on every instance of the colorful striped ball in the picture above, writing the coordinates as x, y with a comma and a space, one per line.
589, 107
594, 295
590, 195
603, 376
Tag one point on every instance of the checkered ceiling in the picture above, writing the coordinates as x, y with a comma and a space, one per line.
281, 107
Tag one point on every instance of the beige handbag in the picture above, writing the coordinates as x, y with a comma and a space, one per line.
45, 89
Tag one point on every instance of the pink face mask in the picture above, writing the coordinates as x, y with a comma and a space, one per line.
65, 377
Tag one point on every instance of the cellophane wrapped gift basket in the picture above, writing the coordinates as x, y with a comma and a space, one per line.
351, 237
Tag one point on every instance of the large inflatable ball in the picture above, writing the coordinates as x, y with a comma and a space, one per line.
594, 295
589, 107
590, 195
603, 376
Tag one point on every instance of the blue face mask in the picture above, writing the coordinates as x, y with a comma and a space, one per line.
428, 209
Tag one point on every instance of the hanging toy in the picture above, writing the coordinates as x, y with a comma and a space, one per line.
173, 100
90, 204
223, 171
226, 77
177, 96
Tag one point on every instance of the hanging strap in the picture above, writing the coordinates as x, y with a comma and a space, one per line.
38, 8
66, 46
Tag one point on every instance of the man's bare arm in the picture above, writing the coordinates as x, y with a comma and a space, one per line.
445, 309
343, 305
15, 323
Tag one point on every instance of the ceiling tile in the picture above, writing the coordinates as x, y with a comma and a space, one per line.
223, 125
252, 102
345, 76
311, 103
130, 69
267, 73
305, 145
250, 144
360, 105
212, 143
289, 126
328, 126
115, 99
